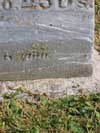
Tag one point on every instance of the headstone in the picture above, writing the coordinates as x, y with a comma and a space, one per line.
45, 38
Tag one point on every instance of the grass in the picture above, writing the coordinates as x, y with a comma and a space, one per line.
71, 114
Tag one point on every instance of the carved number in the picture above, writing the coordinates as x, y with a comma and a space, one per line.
7, 4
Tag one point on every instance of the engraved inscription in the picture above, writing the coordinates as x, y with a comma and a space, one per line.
36, 52
43, 4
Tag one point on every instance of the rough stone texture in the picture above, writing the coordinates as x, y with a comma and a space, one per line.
45, 39
58, 87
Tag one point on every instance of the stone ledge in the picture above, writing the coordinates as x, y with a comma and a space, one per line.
63, 71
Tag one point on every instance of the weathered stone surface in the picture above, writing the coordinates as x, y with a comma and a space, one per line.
45, 39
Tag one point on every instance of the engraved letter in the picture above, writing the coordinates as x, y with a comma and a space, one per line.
65, 3
55, 4
44, 3
7, 4
83, 3
41, 4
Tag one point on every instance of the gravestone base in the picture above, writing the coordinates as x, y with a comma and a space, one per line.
48, 43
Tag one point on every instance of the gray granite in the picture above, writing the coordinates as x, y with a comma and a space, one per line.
45, 39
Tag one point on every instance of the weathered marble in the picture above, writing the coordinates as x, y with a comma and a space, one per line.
45, 38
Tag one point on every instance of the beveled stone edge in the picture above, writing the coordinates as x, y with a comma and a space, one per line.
82, 70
